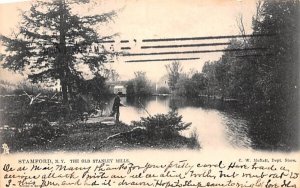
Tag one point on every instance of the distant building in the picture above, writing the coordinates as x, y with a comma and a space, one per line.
163, 82
119, 88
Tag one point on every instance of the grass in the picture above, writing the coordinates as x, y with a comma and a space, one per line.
90, 137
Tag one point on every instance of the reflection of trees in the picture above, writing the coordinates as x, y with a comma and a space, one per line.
176, 102
130, 100
138, 102
173, 104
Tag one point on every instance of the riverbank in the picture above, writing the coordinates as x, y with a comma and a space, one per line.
89, 137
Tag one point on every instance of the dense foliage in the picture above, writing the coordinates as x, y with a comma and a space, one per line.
162, 126
54, 43
139, 85
191, 86
163, 90
265, 81
174, 70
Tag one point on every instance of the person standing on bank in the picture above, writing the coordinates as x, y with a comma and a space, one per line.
116, 107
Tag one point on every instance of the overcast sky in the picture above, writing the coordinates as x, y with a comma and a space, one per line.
140, 19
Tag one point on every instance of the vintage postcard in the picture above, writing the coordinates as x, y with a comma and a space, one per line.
136, 93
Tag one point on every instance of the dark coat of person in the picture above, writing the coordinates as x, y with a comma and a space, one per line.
116, 107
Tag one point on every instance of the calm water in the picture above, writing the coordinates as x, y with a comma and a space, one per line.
218, 125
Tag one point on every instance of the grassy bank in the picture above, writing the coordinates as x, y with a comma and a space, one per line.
89, 137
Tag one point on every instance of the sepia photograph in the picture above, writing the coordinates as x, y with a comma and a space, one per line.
103, 75
156, 93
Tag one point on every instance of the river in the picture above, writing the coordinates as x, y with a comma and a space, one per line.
217, 124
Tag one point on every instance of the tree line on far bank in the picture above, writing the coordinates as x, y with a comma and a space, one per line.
266, 81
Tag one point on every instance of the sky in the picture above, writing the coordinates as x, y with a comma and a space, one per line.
153, 19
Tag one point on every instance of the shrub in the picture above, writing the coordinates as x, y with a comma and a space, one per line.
194, 139
162, 126
41, 133
163, 90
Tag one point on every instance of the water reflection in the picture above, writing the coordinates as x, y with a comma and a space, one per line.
217, 125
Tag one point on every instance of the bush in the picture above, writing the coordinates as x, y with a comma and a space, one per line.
194, 139
41, 133
139, 85
162, 126
163, 90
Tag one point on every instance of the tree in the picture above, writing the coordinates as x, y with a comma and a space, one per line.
210, 73
174, 69
191, 87
130, 87
140, 85
267, 81
52, 42
200, 83
111, 75
184, 86
163, 90
278, 72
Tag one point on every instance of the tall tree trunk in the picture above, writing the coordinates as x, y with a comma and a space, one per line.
64, 91
62, 47
70, 92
